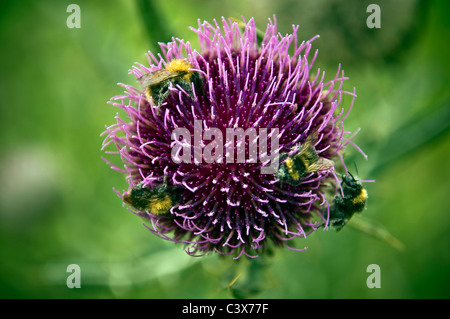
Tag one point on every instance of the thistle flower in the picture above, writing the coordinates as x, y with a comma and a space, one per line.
233, 208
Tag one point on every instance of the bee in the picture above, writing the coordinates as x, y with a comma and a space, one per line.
157, 200
177, 72
354, 201
302, 163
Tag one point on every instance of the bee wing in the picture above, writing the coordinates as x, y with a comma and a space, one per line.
308, 155
308, 146
306, 149
156, 77
322, 164
312, 138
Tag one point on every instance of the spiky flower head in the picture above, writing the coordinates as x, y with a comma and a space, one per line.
245, 81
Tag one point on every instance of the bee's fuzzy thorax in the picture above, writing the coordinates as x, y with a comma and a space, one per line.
362, 197
290, 166
161, 205
179, 65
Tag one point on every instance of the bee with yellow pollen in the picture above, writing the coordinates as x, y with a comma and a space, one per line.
157, 84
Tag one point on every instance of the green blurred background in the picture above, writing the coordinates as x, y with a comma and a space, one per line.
57, 206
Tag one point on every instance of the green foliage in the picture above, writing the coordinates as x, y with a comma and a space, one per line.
57, 206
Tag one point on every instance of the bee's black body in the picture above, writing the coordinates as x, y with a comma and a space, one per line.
354, 201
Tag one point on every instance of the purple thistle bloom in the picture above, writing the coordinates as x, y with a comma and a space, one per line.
232, 208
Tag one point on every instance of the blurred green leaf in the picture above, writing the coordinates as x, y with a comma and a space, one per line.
251, 280
375, 230
158, 28
425, 128
57, 204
